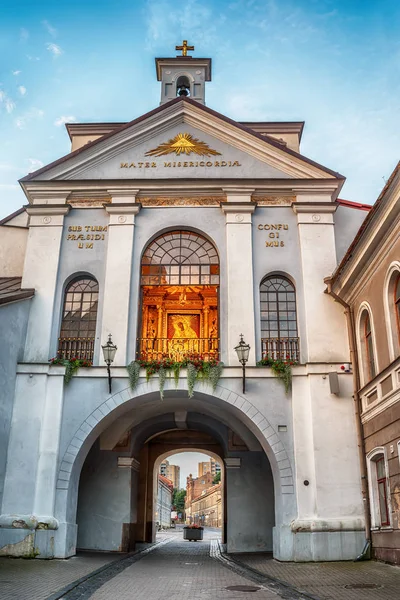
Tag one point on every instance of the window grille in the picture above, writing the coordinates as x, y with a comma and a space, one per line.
180, 258
279, 334
78, 326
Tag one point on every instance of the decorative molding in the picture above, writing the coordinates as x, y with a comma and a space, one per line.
273, 200
182, 201
233, 463
88, 202
128, 462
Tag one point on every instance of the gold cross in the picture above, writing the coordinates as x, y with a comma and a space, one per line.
184, 48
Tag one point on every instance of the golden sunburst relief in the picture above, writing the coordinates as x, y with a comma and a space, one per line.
183, 143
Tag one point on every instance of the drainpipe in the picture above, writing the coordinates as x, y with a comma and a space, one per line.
349, 314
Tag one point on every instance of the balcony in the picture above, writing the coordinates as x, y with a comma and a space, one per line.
177, 348
79, 347
281, 348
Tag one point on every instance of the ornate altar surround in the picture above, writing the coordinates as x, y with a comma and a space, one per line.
180, 284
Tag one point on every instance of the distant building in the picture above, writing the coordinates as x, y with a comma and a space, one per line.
164, 501
172, 472
206, 509
211, 466
194, 488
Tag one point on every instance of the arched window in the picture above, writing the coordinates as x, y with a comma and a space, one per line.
391, 302
379, 487
367, 346
397, 305
179, 283
78, 326
279, 335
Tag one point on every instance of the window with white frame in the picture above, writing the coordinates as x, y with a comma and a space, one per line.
392, 308
367, 346
379, 488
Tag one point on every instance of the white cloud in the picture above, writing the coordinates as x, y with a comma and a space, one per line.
23, 34
34, 164
51, 30
22, 90
30, 115
16, 73
55, 50
65, 119
7, 102
29, 57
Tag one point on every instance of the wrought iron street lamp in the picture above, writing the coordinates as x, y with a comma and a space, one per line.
109, 351
242, 351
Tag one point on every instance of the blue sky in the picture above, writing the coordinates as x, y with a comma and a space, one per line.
334, 64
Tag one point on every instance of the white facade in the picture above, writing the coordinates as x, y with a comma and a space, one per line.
304, 442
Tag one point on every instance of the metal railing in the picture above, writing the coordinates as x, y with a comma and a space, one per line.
177, 348
81, 348
281, 348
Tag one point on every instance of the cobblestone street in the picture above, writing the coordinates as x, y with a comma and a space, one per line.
181, 570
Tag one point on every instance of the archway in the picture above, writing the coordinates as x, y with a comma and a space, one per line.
205, 502
220, 412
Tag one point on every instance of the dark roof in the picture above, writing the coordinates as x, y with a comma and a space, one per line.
11, 291
364, 226
14, 214
265, 138
351, 204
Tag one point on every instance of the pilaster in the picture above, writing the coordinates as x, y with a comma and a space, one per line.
240, 300
40, 272
325, 329
117, 284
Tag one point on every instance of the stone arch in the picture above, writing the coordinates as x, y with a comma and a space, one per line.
255, 420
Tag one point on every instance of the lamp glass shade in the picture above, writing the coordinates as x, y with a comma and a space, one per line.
109, 351
242, 351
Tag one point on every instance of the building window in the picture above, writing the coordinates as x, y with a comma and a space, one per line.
391, 302
382, 490
397, 305
179, 292
78, 326
367, 347
279, 335
379, 488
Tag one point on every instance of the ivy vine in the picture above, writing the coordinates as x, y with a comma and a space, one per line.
282, 369
196, 367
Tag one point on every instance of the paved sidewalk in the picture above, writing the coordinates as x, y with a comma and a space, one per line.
27, 579
331, 580
179, 570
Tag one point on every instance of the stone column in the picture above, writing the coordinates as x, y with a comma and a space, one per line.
27, 522
40, 272
325, 332
117, 284
130, 467
240, 288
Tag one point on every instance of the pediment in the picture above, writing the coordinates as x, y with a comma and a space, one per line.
182, 140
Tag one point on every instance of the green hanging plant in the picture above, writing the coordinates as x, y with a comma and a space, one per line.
215, 374
133, 373
196, 365
282, 369
191, 378
162, 375
71, 365
176, 369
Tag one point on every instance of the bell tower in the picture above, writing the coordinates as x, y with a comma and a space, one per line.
183, 75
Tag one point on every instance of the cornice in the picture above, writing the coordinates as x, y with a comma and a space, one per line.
313, 207
43, 210
238, 207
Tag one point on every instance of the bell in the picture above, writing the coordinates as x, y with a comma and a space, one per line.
183, 90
